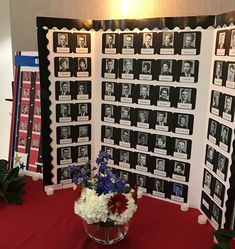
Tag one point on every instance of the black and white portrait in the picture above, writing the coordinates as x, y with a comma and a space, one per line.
215, 213
179, 168
125, 135
207, 180
141, 160
127, 66
189, 40
142, 138
143, 118
166, 67
62, 40
141, 181
65, 88
212, 131
82, 151
125, 113
158, 185
145, 69
224, 135
82, 110
64, 64
83, 131
83, 89
65, 132
109, 111
65, 110
65, 174
128, 41
210, 153
65, 155
167, 40
126, 90
147, 46
110, 41
144, 92
108, 133
109, 68
218, 72
109, 88
160, 142
185, 95
221, 41
218, 189
164, 96
188, 74
160, 164
124, 175
124, 156
232, 41
180, 149
161, 121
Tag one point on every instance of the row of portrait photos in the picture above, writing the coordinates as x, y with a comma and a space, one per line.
225, 42
224, 74
157, 143
219, 134
166, 42
222, 105
185, 71
143, 94
155, 186
158, 120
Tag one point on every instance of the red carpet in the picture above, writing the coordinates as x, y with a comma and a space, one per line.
48, 222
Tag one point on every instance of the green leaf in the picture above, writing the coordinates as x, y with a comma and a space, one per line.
221, 245
13, 173
13, 199
224, 235
15, 186
16, 179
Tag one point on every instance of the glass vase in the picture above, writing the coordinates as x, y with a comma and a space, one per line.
106, 233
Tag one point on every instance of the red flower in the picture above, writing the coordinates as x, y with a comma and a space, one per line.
117, 203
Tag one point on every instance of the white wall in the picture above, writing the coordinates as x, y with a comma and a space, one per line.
6, 77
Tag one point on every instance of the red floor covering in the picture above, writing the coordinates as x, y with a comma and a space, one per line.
48, 222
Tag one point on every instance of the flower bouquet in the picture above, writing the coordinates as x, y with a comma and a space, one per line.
106, 204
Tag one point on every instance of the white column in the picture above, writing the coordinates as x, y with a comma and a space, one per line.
6, 77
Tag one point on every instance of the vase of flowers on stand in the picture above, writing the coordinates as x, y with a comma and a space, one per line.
106, 204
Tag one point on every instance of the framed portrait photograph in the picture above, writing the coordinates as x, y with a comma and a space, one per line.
64, 155
108, 91
24, 110
143, 118
84, 133
127, 68
125, 115
147, 42
207, 182
213, 131
64, 134
161, 145
25, 93
62, 42
218, 73
189, 71
108, 133
191, 43
159, 187
179, 192
112, 152
63, 66
83, 154
161, 166
216, 100
186, 98
64, 113
142, 182
144, 94
125, 138
167, 42
83, 90
82, 66
218, 192
110, 42
142, 140
125, 158
230, 79
162, 120
83, 111
182, 148
146, 69
64, 175
26, 76
82, 43
141, 162
225, 138
228, 107
109, 68
221, 168
180, 171
164, 96
127, 92
183, 123
63, 90
125, 176
210, 157
216, 215
128, 43
108, 113
167, 70
221, 40
232, 43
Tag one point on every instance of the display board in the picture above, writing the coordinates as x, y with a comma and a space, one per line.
25, 149
143, 96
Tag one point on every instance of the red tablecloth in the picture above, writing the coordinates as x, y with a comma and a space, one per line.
48, 222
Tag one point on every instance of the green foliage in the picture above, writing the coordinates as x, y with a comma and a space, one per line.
11, 184
223, 237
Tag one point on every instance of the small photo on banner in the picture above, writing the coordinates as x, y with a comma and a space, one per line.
190, 43
82, 67
109, 91
81, 43
161, 166
216, 102
232, 43
158, 187
178, 192
147, 43
221, 42
230, 77
62, 42
219, 72
20, 160
110, 43
64, 67
128, 43
109, 68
